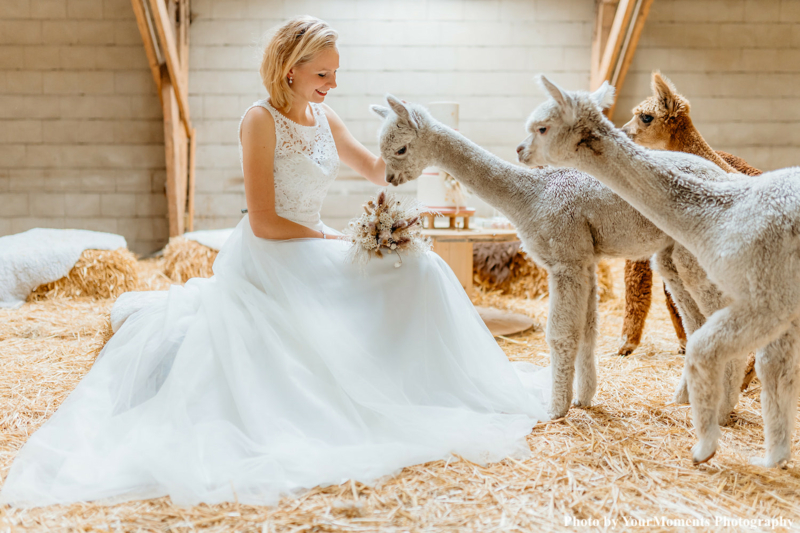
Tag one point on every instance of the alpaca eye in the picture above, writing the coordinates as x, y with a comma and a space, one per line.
401, 151
542, 130
647, 119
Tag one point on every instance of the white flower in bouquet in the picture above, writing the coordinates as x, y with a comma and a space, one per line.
388, 225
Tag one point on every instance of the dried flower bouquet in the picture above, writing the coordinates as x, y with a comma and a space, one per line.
388, 225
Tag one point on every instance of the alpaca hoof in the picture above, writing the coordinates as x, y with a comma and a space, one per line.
702, 452
682, 349
582, 404
769, 463
556, 412
627, 348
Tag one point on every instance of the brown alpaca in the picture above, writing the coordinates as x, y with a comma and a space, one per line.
662, 122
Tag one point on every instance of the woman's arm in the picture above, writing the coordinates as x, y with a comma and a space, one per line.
258, 154
352, 153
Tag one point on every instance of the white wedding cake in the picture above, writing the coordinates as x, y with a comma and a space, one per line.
436, 189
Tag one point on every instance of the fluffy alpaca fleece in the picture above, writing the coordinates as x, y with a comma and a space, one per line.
662, 122
744, 233
566, 220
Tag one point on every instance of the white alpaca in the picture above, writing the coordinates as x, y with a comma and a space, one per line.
745, 234
566, 220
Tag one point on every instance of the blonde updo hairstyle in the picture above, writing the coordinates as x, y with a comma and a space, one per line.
293, 44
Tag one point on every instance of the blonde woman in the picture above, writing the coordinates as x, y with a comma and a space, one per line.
291, 367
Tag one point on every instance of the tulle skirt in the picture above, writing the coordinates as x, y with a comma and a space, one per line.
290, 368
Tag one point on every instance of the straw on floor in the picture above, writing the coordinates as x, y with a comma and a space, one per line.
98, 274
625, 459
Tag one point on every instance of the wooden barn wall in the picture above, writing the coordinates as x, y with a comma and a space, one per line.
80, 124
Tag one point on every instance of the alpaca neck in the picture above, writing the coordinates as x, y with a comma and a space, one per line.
496, 181
688, 139
662, 194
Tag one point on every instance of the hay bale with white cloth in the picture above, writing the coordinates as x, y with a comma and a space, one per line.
40, 263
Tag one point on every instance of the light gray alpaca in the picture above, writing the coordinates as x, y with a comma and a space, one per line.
745, 234
566, 220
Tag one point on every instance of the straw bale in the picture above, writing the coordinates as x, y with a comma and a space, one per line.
506, 268
185, 259
98, 274
626, 458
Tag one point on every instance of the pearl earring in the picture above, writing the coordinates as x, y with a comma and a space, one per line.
290, 81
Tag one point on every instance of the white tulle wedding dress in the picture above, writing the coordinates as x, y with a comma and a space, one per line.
290, 368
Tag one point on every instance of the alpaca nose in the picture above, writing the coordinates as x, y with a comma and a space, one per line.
520, 148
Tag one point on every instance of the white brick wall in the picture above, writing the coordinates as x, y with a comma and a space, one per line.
81, 140
738, 62
482, 53
81, 135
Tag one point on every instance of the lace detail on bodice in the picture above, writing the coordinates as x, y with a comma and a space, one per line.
306, 163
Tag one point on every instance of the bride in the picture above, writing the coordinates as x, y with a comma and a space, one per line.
291, 367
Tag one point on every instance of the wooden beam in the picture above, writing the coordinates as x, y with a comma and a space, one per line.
641, 11
148, 39
604, 18
184, 17
615, 39
169, 48
172, 146
190, 192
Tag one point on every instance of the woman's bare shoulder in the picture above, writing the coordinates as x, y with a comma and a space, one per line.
258, 123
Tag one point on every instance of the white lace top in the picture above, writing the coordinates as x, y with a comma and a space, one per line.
306, 163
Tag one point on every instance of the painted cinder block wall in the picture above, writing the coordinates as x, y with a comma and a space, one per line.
81, 134
81, 141
737, 60
481, 54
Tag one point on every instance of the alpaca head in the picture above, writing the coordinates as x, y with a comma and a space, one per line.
658, 118
400, 136
564, 126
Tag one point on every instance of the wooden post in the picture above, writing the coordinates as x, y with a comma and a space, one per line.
164, 27
172, 149
190, 192
614, 46
629, 48
604, 18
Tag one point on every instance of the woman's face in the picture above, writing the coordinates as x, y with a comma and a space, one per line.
312, 81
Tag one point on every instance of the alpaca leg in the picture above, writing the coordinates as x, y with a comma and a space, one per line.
586, 367
691, 317
731, 387
565, 324
729, 333
708, 299
777, 367
675, 316
638, 295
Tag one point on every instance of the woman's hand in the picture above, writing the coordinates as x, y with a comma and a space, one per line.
353, 154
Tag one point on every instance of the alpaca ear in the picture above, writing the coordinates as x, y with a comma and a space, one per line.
553, 90
563, 99
379, 110
401, 109
665, 92
604, 96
